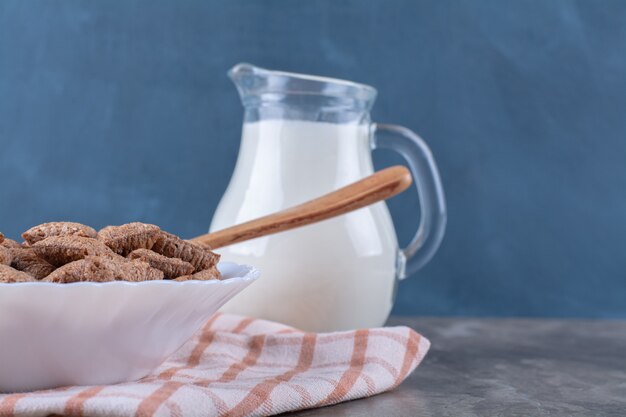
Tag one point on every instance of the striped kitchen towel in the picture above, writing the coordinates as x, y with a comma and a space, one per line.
238, 366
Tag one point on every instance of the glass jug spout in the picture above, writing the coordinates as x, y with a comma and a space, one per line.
268, 94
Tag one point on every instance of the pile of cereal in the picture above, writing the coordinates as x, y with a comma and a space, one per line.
66, 252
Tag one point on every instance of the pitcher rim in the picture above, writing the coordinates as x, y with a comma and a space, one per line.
367, 91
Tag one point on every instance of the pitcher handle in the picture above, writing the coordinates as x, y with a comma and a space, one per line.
428, 183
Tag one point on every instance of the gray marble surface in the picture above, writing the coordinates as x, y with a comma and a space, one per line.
507, 367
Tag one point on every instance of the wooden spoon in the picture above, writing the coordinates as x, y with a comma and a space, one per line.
379, 186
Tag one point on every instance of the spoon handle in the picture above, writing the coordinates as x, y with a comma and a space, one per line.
376, 187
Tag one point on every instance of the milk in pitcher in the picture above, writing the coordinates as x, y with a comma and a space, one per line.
340, 270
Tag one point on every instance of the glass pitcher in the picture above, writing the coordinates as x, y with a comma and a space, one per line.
304, 136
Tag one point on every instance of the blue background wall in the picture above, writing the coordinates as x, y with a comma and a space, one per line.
121, 110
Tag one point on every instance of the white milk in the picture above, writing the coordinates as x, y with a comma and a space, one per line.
335, 275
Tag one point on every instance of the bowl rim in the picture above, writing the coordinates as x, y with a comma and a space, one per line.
248, 273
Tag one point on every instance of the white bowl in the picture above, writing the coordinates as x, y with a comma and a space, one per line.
89, 333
